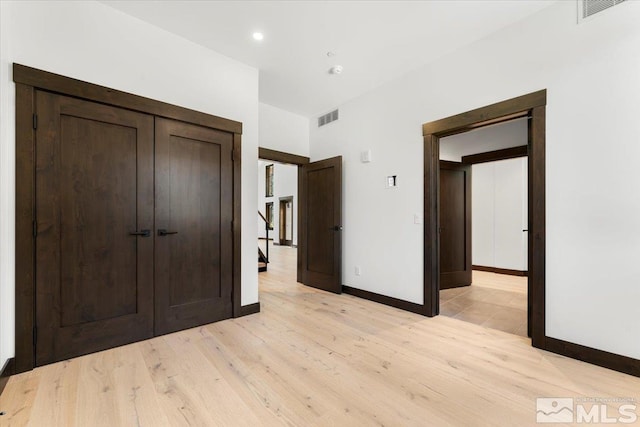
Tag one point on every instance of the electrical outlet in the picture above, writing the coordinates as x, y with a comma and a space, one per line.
358, 271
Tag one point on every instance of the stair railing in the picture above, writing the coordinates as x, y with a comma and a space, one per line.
266, 229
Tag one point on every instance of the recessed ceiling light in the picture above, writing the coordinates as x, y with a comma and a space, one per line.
258, 36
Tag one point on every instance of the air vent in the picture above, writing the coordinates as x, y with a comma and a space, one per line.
587, 8
328, 118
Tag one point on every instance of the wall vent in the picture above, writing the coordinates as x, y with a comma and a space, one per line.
587, 8
328, 118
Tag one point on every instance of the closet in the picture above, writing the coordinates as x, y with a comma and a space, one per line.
133, 232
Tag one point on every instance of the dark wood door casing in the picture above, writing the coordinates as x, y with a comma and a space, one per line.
320, 237
94, 187
194, 205
29, 122
455, 224
533, 106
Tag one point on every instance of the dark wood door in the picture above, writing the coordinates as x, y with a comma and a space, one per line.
320, 236
455, 225
194, 213
94, 188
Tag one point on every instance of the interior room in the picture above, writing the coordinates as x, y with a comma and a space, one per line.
495, 157
142, 147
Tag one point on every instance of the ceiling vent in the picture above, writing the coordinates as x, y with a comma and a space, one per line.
587, 8
328, 118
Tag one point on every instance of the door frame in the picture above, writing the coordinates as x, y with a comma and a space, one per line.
532, 106
290, 159
27, 80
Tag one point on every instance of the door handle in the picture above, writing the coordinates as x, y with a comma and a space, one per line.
524, 230
142, 233
163, 232
336, 228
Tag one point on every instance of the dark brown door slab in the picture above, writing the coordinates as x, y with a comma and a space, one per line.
94, 192
321, 220
455, 225
194, 213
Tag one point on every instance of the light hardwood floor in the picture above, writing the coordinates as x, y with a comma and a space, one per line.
310, 358
496, 301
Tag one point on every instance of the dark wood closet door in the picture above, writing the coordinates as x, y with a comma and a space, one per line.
321, 220
194, 213
94, 187
455, 225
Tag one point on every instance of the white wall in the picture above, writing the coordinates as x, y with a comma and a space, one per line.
95, 43
283, 131
285, 183
513, 133
499, 214
591, 72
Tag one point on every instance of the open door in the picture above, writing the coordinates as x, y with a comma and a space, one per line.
320, 229
455, 224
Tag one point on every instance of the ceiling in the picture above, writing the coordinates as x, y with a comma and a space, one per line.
374, 41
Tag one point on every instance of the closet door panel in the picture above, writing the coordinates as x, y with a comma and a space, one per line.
194, 210
510, 207
94, 188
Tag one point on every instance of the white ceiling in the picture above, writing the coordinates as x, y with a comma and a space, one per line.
375, 41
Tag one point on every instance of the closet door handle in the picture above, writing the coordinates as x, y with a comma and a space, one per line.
163, 232
142, 233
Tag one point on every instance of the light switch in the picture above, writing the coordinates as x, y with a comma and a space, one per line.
417, 219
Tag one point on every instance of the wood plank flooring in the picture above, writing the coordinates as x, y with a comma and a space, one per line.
493, 300
310, 358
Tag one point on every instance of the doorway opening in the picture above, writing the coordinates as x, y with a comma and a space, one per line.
286, 220
315, 221
531, 107
277, 216
483, 226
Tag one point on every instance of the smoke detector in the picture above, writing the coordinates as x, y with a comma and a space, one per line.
336, 69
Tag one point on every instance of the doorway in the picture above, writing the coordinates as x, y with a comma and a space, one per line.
286, 221
319, 219
483, 213
531, 106
277, 216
